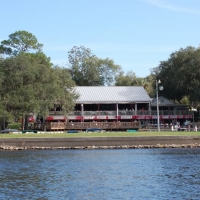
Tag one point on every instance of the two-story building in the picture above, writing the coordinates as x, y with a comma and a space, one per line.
110, 106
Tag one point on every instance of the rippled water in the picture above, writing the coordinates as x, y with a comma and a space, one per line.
101, 174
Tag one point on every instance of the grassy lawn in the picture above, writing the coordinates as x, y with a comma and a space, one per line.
104, 134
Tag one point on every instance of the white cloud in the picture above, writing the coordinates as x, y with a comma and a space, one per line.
173, 7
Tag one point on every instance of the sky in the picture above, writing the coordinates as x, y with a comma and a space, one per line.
135, 34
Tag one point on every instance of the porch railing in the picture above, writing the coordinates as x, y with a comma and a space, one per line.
124, 112
53, 126
103, 125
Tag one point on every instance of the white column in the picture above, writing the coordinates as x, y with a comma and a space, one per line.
135, 108
117, 111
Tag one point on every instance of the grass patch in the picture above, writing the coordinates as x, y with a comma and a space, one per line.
104, 134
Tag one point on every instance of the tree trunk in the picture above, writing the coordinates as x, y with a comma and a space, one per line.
26, 122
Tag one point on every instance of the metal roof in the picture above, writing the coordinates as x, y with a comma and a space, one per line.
111, 94
162, 101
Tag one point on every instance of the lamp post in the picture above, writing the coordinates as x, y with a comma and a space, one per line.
82, 115
158, 116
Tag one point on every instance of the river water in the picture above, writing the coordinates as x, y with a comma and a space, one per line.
101, 174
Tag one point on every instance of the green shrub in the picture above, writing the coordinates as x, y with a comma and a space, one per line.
16, 125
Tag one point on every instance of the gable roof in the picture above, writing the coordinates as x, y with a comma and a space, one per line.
112, 94
162, 101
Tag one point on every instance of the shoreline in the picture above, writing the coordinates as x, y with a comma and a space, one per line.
99, 143
14, 148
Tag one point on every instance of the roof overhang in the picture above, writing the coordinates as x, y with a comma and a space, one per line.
111, 102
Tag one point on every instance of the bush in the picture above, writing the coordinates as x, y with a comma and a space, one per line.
16, 125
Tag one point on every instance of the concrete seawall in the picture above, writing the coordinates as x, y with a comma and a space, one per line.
100, 141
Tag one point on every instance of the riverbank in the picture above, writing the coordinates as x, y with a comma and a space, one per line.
100, 142
14, 148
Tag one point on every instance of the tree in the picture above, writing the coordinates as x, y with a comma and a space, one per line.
31, 84
20, 41
126, 80
147, 83
130, 79
108, 70
64, 89
88, 70
180, 75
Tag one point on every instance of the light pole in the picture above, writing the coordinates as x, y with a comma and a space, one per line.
158, 116
82, 117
